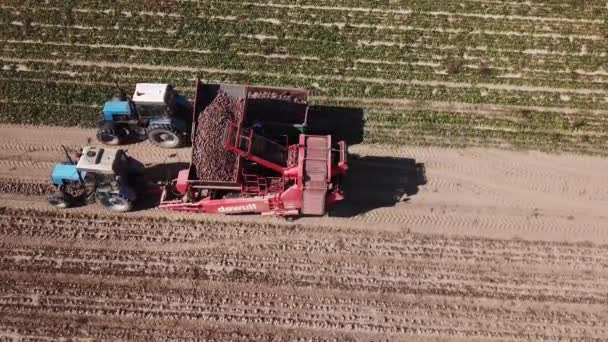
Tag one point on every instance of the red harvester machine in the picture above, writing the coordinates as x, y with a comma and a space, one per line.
278, 169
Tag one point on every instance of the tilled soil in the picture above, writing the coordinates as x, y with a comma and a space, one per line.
72, 276
33, 188
86, 274
212, 161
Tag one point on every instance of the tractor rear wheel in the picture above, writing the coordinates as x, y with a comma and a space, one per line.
114, 202
111, 134
165, 136
59, 199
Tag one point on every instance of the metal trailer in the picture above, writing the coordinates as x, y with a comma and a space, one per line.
282, 172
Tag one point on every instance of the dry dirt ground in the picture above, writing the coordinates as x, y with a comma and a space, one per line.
491, 245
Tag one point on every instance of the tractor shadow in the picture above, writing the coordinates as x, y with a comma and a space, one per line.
377, 182
134, 139
150, 191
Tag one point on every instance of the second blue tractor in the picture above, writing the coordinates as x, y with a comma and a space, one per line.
155, 111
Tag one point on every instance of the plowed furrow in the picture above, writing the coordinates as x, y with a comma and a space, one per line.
289, 241
427, 282
23, 226
415, 326
304, 256
59, 327
397, 309
282, 308
130, 277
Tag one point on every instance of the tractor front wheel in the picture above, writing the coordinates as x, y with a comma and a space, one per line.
165, 136
59, 199
111, 134
114, 202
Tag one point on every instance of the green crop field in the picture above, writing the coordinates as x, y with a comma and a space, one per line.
516, 74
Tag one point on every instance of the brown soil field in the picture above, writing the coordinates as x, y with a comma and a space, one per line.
491, 245
455, 227
94, 276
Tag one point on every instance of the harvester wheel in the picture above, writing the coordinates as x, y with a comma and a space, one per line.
111, 134
165, 136
114, 202
59, 199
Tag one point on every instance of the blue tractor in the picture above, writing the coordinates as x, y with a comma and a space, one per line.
105, 175
156, 112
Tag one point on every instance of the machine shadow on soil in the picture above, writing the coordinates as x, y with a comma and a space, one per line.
372, 182
377, 182
163, 172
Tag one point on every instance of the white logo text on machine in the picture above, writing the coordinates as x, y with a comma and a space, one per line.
246, 207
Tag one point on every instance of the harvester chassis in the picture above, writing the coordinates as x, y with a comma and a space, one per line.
271, 178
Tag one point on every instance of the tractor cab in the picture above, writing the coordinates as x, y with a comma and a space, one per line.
155, 111
153, 100
102, 162
104, 174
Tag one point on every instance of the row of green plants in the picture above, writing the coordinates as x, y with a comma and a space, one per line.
554, 8
322, 42
384, 113
463, 136
259, 63
558, 70
289, 16
543, 130
425, 32
326, 48
513, 119
422, 128
38, 113
348, 87
66, 94
421, 19
487, 137
91, 95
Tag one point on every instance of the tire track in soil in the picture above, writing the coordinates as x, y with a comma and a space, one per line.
181, 231
31, 156
98, 276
